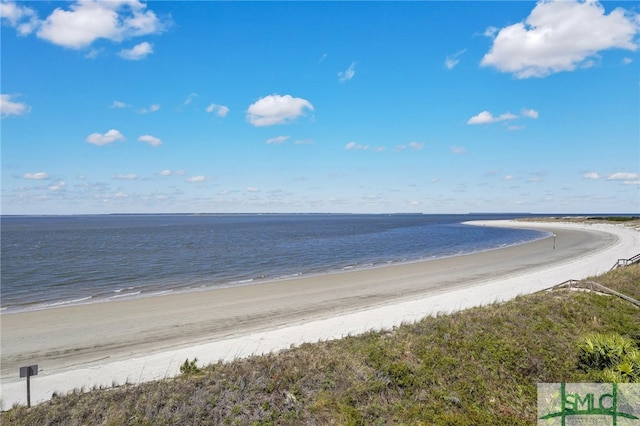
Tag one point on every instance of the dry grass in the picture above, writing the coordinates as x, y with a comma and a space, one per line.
479, 366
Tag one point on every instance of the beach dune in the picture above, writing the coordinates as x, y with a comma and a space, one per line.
148, 338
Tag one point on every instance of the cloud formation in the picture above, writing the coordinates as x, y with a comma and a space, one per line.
414, 146
624, 176
129, 176
103, 139
58, 186
86, 21
151, 140
9, 107
276, 109
22, 18
530, 113
627, 178
354, 146
347, 74
36, 176
137, 52
152, 108
485, 117
220, 110
277, 140
560, 36
118, 104
452, 60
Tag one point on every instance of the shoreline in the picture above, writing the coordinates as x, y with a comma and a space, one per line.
148, 338
147, 291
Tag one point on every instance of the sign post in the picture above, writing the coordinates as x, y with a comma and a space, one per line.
27, 372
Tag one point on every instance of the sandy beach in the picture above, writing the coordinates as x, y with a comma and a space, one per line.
148, 338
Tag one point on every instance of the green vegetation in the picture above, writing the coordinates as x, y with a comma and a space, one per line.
189, 368
479, 366
614, 218
610, 358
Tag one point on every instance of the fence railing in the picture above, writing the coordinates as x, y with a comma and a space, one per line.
594, 286
626, 262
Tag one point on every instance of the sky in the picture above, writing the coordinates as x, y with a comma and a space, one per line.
341, 107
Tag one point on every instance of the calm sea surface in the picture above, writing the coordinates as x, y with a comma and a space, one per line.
61, 260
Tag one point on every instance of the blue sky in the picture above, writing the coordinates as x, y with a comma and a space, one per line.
434, 107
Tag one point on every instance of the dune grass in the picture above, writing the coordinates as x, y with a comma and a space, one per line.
479, 366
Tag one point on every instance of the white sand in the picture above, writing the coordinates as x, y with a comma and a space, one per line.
77, 347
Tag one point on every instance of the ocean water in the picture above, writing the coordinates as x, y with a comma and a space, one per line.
62, 260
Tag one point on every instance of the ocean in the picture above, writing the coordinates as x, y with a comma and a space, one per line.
50, 261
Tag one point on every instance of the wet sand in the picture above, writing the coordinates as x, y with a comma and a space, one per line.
147, 338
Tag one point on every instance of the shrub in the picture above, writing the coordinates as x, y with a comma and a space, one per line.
189, 368
610, 358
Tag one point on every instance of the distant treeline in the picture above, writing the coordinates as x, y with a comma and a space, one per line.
614, 218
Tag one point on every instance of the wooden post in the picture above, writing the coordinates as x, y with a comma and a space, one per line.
27, 372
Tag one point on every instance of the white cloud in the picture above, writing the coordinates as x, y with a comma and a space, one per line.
9, 107
88, 20
277, 140
276, 109
220, 110
22, 18
591, 175
168, 172
194, 179
458, 150
452, 60
348, 74
190, 98
137, 52
151, 140
530, 113
130, 176
58, 186
356, 146
152, 108
485, 117
490, 32
560, 36
414, 146
623, 176
118, 104
36, 176
252, 189
103, 139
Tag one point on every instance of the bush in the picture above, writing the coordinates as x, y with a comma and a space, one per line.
189, 368
610, 358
